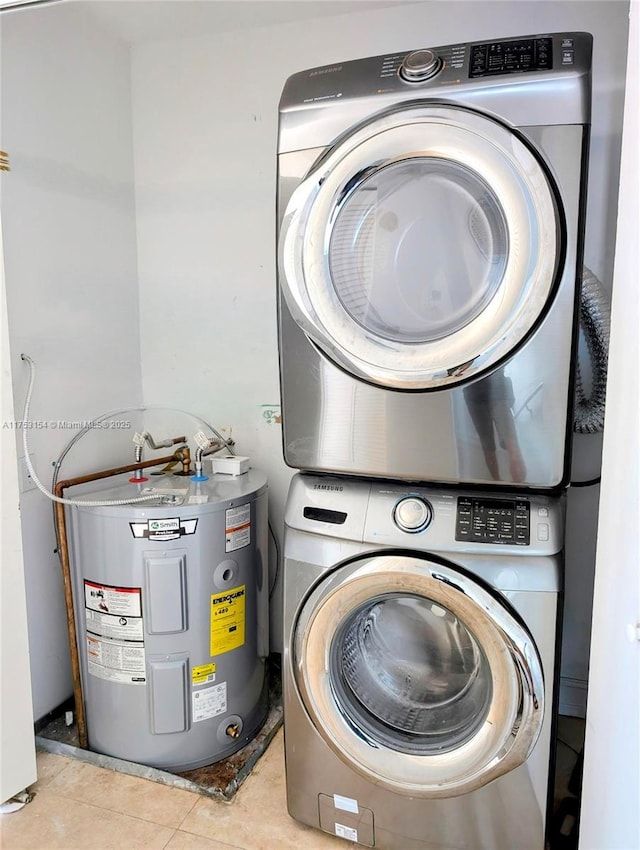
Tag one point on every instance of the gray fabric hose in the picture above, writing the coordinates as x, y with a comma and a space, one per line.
594, 323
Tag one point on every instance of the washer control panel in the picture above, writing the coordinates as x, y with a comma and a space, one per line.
485, 520
425, 518
412, 514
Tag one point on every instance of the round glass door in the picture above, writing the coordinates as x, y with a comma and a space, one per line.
422, 249
390, 256
417, 677
410, 673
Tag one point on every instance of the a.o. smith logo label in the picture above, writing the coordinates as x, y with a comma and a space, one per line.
164, 529
164, 524
334, 488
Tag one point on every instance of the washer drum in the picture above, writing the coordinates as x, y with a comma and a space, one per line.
172, 607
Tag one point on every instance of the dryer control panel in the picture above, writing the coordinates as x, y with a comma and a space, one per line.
545, 57
516, 56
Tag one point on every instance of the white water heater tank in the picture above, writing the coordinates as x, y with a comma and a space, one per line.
172, 605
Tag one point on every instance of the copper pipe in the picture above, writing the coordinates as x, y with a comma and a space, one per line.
65, 563
108, 473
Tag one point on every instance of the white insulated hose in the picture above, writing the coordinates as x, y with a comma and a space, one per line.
32, 472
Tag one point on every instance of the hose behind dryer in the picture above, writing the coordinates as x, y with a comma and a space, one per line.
594, 322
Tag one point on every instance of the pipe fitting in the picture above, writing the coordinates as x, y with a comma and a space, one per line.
138, 477
162, 444
183, 455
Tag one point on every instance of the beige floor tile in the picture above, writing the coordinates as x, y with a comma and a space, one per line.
188, 841
258, 819
128, 795
50, 822
49, 765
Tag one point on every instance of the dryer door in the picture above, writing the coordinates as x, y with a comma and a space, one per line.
417, 677
422, 249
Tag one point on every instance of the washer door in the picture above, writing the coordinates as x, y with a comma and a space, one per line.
422, 249
417, 677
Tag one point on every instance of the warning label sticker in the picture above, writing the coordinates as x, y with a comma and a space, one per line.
115, 633
346, 832
113, 612
108, 625
209, 702
227, 620
202, 674
237, 527
112, 600
116, 661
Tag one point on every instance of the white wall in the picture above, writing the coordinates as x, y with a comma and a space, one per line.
18, 762
205, 115
610, 812
70, 259
205, 125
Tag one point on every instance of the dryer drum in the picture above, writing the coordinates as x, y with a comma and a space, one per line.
396, 216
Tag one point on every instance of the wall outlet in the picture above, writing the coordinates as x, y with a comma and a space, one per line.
271, 414
26, 482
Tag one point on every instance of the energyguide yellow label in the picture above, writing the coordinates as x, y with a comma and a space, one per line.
228, 619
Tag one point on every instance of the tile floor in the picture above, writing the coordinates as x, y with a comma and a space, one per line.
81, 807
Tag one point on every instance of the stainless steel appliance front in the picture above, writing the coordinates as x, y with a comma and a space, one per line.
429, 246
418, 665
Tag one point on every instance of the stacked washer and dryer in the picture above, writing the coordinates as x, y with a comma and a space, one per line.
430, 214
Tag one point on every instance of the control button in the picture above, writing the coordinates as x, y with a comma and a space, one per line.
543, 531
567, 57
412, 514
419, 66
543, 511
566, 42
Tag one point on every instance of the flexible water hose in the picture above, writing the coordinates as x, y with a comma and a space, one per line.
92, 504
594, 322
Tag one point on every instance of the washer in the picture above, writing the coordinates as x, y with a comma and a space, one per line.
430, 214
420, 632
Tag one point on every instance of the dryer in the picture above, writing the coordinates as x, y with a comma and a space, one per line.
419, 670
430, 224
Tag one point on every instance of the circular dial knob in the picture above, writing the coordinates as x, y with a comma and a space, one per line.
412, 514
419, 66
